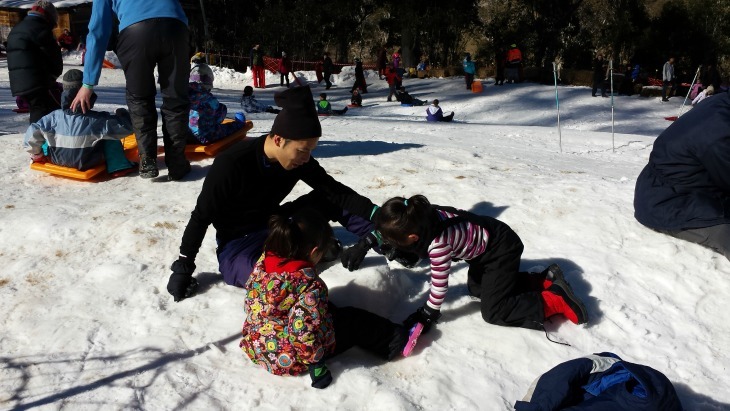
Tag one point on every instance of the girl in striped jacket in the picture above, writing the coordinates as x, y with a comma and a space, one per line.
492, 250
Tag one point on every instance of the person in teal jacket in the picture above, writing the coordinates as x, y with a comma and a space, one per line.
151, 34
469, 71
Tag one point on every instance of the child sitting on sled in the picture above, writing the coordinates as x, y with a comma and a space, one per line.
324, 107
291, 327
434, 113
492, 250
356, 99
77, 140
206, 112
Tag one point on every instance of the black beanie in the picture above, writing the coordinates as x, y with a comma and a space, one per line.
298, 119
72, 79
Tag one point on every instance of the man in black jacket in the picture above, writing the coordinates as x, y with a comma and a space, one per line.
327, 69
684, 191
247, 183
34, 60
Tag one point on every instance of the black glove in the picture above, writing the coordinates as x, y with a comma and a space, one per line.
405, 258
182, 284
352, 257
320, 375
424, 315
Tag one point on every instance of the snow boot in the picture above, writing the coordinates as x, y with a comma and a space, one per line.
560, 299
148, 167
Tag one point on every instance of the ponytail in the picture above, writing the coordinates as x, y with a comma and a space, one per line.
400, 217
293, 238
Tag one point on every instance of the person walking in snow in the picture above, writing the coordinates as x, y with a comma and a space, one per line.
684, 190
469, 70
284, 69
392, 78
492, 250
258, 72
600, 68
292, 328
669, 80
149, 37
513, 65
327, 69
359, 78
382, 62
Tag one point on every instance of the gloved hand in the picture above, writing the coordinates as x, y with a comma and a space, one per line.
424, 315
181, 284
320, 375
405, 258
352, 257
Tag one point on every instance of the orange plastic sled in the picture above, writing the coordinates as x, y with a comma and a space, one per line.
220, 145
130, 151
476, 87
108, 64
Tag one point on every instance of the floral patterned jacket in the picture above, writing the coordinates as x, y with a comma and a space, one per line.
287, 326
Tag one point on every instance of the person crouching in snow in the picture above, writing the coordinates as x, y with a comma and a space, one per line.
77, 140
324, 107
434, 113
492, 250
291, 328
249, 104
206, 112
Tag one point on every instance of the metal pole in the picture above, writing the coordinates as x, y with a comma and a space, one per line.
557, 105
610, 73
689, 91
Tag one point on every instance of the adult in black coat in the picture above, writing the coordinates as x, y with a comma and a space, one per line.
684, 191
359, 78
327, 68
246, 186
34, 60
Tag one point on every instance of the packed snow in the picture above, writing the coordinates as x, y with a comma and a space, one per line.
88, 323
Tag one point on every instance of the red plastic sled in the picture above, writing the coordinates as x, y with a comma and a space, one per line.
413, 339
671, 118
353, 106
21, 110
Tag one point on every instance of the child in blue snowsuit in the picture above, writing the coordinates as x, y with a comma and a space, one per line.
81, 141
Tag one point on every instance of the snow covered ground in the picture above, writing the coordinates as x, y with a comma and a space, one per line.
87, 322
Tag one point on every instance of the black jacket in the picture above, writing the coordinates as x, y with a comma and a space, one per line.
327, 66
686, 183
34, 58
242, 190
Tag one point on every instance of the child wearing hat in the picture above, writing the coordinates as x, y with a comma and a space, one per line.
284, 69
80, 140
206, 112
